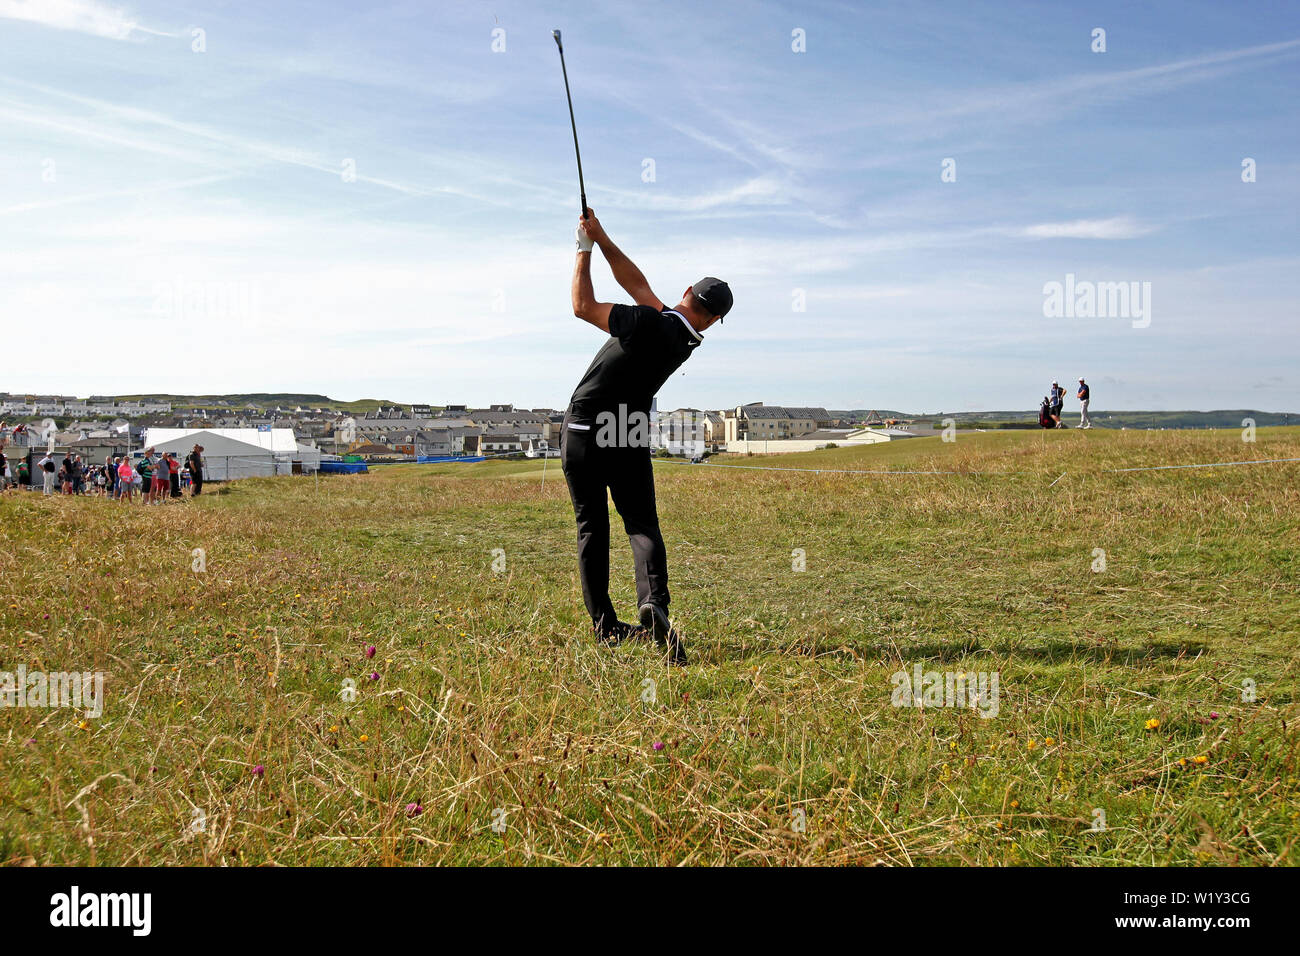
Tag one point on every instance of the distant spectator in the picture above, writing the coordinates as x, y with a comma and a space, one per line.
1084, 394
195, 464
158, 474
174, 473
144, 468
24, 474
48, 473
126, 477
161, 483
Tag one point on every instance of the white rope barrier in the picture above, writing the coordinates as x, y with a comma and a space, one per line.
1213, 464
995, 474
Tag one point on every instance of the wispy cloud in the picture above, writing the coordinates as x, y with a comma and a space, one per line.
130, 192
137, 129
1032, 99
1118, 227
82, 16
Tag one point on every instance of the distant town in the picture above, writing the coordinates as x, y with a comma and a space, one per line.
305, 430
97, 427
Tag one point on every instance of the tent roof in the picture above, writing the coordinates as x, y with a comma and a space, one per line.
275, 440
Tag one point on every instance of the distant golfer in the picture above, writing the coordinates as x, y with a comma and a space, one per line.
605, 441
1084, 395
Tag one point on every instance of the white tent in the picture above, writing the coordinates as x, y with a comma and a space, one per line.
309, 456
237, 452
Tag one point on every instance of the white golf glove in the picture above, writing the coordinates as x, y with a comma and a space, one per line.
584, 241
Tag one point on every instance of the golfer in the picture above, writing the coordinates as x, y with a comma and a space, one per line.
605, 443
1084, 394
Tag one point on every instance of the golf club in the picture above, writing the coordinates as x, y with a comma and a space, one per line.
581, 188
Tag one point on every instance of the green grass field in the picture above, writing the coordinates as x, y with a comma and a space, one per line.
1124, 692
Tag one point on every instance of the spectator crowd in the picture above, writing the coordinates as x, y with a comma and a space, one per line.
151, 479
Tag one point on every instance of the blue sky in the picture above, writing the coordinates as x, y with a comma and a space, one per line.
183, 221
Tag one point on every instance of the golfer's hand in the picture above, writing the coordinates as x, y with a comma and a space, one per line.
591, 227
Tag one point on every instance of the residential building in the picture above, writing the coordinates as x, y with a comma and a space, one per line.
759, 422
680, 432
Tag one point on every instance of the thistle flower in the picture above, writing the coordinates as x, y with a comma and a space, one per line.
658, 745
414, 809
259, 771
370, 651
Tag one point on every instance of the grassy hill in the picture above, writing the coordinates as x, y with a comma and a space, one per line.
1126, 690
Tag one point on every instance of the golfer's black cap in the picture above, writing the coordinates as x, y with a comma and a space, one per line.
715, 294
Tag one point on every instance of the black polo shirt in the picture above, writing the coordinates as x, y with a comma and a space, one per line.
645, 346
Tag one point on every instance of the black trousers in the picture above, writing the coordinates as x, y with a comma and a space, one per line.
629, 476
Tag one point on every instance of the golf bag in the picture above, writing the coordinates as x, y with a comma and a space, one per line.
1045, 415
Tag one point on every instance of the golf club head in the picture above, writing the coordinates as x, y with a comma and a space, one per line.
556, 34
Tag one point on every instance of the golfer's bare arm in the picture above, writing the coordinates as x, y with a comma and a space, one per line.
628, 275
585, 305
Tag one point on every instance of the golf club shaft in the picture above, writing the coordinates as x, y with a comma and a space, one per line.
582, 189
